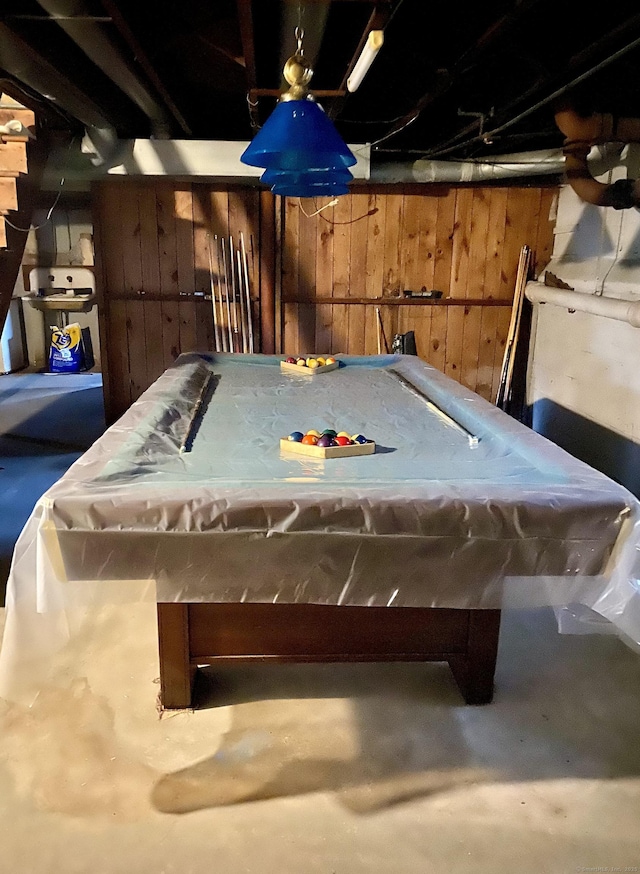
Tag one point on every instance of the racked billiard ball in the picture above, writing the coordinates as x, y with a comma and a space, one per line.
309, 439
295, 436
325, 440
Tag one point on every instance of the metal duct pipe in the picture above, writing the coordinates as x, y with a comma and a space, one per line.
90, 36
27, 66
583, 133
512, 166
609, 307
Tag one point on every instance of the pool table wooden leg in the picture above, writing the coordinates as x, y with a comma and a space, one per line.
474, 670
176, 672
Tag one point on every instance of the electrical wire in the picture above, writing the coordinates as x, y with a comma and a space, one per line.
51, 208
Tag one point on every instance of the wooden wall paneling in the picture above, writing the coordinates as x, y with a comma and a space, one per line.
358, 259
458, 281
410, 242
307, 276
510, 256
442, 272
168, 267
112, 314
324, 277
341, 218
393, 280
187, 309
128, 207
224, 218
202, 231
244, 218
475, 287
427, 246
262, 266
150, 253
291, 257
491, 314
376, 229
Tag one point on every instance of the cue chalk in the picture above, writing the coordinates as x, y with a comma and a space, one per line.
472, 438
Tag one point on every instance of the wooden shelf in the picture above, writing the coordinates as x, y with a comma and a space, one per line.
400, 301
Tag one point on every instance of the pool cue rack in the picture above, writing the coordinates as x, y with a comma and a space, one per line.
230, 290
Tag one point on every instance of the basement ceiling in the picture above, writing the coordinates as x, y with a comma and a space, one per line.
452, 81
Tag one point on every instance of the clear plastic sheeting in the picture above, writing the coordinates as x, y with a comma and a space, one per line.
188, 496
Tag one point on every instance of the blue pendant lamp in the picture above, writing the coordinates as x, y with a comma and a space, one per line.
299, 147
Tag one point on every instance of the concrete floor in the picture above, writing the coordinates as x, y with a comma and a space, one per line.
316, 768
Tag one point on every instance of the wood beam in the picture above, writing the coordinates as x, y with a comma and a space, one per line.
245, 19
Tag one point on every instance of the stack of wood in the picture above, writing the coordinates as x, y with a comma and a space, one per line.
16, 122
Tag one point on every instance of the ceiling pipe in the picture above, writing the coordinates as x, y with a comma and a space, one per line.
27, 66
609, 307
583, 133
513, 166
91, 38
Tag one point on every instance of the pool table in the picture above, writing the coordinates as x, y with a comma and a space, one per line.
259, 553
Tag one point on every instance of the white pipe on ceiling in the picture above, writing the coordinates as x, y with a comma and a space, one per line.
597, 305
512, 166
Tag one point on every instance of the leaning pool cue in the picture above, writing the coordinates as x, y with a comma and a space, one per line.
381, 332
236, 335
247, 291
220, 297
243, 316
214, 308
226, 289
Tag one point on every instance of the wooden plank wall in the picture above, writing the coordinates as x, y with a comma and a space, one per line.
462, 241
331, 271
153, 276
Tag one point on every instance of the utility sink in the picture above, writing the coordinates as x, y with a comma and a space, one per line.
70, 303
63, 289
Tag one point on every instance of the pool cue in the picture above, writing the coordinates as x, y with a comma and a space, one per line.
243, 317
472, 438
226, 289
381, 331
236, 335
247, 291
214, 307
516, 333
220, 298
514, 324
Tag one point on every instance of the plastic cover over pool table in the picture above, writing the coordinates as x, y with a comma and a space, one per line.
433, 519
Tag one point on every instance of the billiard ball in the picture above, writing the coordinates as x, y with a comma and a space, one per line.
301, 362
329, 431
313, 433
309, 439
290, 360
330, 360
312, 363
343, 434
342, 441
359, 438
321, 361
295, 436
325, 440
